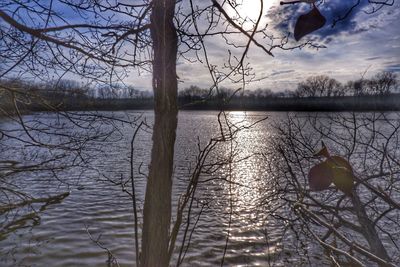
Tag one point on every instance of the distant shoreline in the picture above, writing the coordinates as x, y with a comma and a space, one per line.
344, 103
310, 104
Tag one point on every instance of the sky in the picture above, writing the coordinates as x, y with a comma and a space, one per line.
362, 43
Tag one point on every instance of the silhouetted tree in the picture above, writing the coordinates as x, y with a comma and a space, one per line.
317, 86
357, 87
194, 93
382, 83
355, 227
40, 40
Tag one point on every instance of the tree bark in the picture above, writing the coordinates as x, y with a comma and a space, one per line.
157, 206
369, 231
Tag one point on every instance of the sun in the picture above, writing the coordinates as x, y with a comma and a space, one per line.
247, 11
250, 9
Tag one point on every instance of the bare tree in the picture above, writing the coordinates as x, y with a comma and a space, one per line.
358, 87
358, 227
39, 40
150, 31
317, 86
382, 83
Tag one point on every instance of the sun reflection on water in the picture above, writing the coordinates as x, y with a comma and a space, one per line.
247, 174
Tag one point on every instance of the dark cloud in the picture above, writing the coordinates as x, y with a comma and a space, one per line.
284, 18
372, 58
393, 68
274, 73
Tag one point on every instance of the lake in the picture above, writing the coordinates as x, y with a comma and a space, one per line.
97, 215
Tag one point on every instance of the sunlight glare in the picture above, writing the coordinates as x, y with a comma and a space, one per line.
251, 8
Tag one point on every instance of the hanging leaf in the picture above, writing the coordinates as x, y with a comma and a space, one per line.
343, 180
334, 169
342, 174
323, 152
341, 162
308, 23
320, 176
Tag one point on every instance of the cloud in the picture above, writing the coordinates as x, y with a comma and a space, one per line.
372, 58
360, 43
393, 68
343, 18
274, 73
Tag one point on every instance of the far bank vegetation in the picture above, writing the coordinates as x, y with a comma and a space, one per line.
314, 93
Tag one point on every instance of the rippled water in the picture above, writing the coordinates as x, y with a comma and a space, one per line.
97, 206
98, 210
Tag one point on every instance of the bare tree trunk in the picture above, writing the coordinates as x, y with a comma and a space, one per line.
369, 231
157, 206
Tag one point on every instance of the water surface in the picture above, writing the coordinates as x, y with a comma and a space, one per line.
98, 214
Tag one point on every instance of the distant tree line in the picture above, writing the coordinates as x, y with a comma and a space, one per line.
68, 91
52, 89
382, 83
63, 89
66, 94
